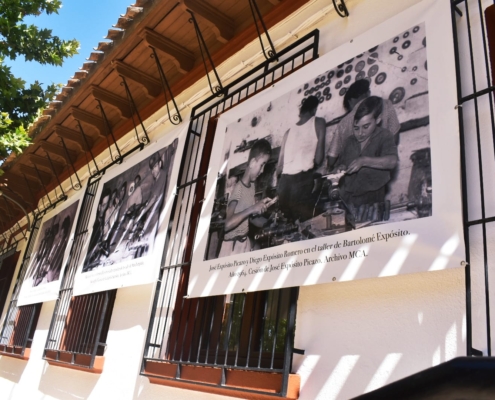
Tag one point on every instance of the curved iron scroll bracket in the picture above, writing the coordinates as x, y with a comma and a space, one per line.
176, 119
272, 53
341, 8
77, 185
5, 196
96, 171
144, 140
44, 188
55, 174
108, 128
217, 90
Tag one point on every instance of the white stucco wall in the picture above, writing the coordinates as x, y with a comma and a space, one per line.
357, 335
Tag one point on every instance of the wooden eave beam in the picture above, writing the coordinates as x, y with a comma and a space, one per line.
222, 26
182, 58
44, 162
59, 151
89, 119
18, 193
74, 136
153, 86
121, 104
30, 171
17, 181
274, 16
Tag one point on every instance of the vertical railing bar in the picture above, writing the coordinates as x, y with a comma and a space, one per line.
87, 322
213, 308
168, 307
201, 328
100, 327
51, 335
194, 328
263, 320
465, 198
481, 181
289, 338
277, 322
154, 307
186, 327
238, 344
487, 69
93, 315
224, 299
251, 325
229, 328
183, 301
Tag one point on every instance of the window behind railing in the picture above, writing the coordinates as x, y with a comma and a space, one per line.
230, 334
20, 322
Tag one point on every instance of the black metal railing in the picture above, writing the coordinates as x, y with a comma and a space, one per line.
20, 322
252, 332
79, 325
477, 133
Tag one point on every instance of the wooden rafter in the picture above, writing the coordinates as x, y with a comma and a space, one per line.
221, 25
45, 163
182, 58
121, 104
18, 192
31, 172
89, 119
74, 136
152, 85
59, 151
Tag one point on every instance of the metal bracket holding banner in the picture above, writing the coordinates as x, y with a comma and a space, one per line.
88, 147
11, 214
134, 111
109, 130
44, 188
341, 8
78, 184
175, 119
272, 53
32, 196
217, 90
54, 173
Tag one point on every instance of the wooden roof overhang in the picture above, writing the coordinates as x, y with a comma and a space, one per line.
226, 25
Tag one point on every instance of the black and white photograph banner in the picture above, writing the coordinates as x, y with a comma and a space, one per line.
346, 169
50, 253
130, 217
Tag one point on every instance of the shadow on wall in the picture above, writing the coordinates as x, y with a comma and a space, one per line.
377, 331
67, 384
11, 369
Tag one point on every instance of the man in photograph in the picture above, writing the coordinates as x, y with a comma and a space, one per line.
96, 240
147, 220
56, 257
302, 151
368, 156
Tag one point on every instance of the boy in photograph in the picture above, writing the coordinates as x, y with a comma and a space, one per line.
56, 257
354, 96
368, 156
241, 204
96, 242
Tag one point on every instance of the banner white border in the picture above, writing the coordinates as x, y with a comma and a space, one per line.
49, 291
433, 243
144, 269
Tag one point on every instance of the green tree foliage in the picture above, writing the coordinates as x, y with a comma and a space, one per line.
20, 104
